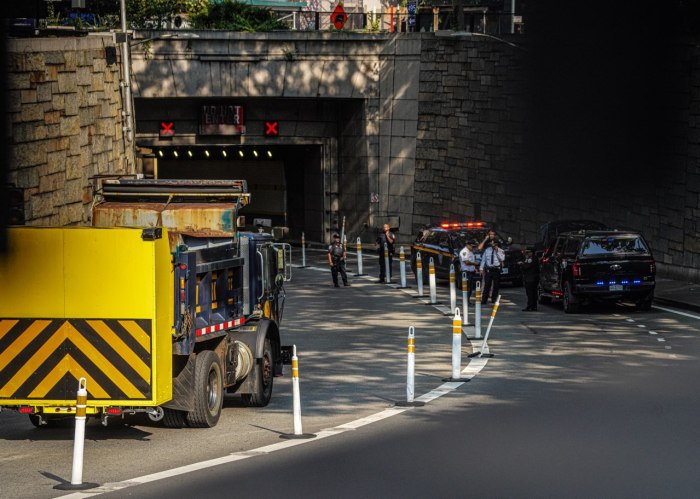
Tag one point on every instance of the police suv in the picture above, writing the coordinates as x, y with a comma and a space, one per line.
443, 242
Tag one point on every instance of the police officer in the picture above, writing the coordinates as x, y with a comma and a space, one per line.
491, 263
531, 278
336, 259
386, 237
467, 262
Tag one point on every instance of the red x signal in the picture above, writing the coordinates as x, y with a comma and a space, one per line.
271, 128
167, 129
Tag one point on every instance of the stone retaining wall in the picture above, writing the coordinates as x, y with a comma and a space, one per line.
65, 124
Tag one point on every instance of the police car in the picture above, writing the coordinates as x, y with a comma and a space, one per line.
443, 242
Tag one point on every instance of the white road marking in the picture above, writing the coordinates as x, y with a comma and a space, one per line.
684, 314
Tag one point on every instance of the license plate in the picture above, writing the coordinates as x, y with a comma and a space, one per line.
504, 270
616, 287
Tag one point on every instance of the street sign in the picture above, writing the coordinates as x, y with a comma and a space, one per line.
338, 17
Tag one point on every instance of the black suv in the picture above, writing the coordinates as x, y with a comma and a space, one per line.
443, 243
604, 265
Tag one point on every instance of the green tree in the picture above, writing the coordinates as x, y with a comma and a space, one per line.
235, 16
151, 14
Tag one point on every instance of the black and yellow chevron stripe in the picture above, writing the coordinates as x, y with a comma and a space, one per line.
43, 359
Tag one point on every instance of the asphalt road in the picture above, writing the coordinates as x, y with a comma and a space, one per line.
598, 404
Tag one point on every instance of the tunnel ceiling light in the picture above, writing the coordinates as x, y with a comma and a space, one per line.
240, 152
223, 152
175, 154
269, 153
160, 153
206, 153
255, 153
189, 153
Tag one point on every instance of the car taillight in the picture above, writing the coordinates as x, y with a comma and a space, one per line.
576, 269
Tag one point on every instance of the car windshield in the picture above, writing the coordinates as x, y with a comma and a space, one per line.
461, 237
613, 245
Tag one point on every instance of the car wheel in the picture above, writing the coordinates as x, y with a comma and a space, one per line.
541, 299
645, 303
570, 304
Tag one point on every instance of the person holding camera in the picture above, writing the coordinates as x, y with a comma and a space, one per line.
336, 259
491, 263
386, 237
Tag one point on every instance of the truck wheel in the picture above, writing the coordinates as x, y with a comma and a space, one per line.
262, 380
570, 305
208, 391
173, 418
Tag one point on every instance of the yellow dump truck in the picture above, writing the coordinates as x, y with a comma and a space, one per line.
162, 306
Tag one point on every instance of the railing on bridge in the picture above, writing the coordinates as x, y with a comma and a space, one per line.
398, 20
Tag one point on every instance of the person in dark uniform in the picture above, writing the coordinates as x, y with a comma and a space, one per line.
336, 259
385, 237
531, 277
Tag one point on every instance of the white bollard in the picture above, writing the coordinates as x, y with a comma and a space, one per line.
456, 345
296, 395
303, 251
477, 311
387, 268
431, 280
484, 345
419, 274
79, 443
453, 289
76, 480
296, 400
410, 370
465, 299
402, 267
359, 257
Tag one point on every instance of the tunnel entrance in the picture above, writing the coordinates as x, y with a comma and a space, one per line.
285, 182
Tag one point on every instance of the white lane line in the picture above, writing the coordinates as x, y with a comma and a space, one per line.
629, 320
641, 325
684, 314
660, 339
653, 332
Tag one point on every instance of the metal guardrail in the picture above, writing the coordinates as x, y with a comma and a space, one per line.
399, 21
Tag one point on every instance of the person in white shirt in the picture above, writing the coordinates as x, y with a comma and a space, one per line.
467, 261
491, 263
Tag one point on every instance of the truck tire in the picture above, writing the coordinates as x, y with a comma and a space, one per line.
208, 391
570, 304
173, 418
262, 379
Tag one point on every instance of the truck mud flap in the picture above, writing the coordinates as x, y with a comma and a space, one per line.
183, 384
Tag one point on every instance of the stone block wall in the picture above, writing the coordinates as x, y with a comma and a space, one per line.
64, 124
477, 155
469, 134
